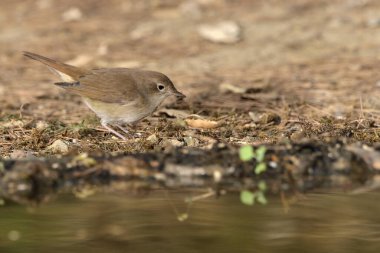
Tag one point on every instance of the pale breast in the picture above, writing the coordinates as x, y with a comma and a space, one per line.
111, 112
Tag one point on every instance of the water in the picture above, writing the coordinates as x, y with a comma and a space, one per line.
117, 222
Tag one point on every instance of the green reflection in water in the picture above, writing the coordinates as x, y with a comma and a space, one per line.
108, 222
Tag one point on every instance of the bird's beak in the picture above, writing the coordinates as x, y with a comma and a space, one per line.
178, 94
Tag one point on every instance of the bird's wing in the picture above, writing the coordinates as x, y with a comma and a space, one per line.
113, 85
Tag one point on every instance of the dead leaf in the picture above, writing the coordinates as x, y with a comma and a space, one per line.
202, 123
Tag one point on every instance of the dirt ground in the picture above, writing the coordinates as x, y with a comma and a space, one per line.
302, 69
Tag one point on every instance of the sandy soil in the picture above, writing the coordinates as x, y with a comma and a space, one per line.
303, 69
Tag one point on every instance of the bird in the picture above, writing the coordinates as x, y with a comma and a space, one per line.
116, 95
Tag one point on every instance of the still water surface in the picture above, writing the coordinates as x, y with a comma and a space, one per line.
109, 222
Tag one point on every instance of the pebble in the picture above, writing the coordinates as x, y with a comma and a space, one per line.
191, 141
58, 147
102, 49
227, 87
298, 135
227, 32
72, 14
267, 118
152, 139
255, 117
373, 22
20, 154
170, 143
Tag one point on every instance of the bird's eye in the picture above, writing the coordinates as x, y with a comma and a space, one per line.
160, 87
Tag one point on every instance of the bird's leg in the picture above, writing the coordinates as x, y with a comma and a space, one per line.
104, 124
122, 128
127, 131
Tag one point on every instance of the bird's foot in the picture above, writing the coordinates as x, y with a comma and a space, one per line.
135, 135
114, 132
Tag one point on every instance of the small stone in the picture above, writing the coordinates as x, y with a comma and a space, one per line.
41, 125
191, 141
58, 147
267, 118
297, 136
170, 143
227, 87
72, 14
152, 139
373, 22
179, 123
176, 143
223, 32
102, 49
20, 154
255, 117
250, 125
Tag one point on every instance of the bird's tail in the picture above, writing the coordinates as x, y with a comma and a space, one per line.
64, 70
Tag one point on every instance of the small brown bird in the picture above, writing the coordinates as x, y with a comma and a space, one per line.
116, 95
